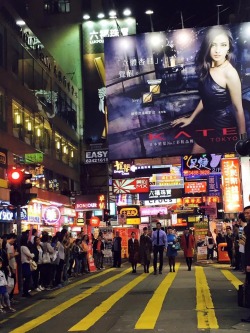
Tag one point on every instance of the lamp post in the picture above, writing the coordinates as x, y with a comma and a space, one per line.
150, 12
218, 13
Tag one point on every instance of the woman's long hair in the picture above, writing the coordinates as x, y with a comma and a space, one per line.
203, 59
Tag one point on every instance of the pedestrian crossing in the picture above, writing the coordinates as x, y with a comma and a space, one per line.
164, 294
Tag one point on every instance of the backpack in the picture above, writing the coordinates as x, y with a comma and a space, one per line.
210, 241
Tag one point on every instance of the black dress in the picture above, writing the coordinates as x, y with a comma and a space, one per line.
216, 116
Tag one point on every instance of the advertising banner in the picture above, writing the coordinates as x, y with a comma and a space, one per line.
204, 164
138, 185
94, 33
195, 187
231, 185
162, 100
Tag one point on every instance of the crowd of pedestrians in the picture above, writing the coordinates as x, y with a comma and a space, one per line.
46, 262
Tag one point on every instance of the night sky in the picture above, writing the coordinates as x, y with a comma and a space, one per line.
196, 13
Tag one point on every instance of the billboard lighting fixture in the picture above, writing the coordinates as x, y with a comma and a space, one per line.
86, 16
100, 15
112, 14
127, 12
20, 23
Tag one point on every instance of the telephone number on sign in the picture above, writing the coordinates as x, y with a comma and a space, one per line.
96, 160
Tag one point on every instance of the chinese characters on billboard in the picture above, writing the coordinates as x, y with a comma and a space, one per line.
231, 185
161, 100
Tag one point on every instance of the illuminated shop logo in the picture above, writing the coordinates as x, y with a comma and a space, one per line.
51, 215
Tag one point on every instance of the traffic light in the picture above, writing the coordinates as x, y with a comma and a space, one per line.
242, 147
19, 188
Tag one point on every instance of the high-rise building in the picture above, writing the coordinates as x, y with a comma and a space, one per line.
39, 110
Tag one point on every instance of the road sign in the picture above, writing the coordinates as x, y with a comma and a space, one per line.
33, 158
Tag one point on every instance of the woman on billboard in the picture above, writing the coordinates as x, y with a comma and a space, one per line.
220, 107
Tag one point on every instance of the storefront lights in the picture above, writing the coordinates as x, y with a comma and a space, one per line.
127, 12
38, 132
86, 16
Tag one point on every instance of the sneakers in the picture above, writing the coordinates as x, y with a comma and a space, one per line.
38, 289
2, 310
12, 309
41, 288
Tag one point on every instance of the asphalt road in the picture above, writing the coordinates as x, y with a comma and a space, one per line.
115, 300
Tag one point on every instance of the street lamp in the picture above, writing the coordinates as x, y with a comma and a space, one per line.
150, 12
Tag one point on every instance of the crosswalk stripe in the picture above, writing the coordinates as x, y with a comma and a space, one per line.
204, 305
232, 278
105, 306
65, 305
151, 313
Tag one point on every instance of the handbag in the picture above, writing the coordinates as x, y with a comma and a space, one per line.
10, 284
244, 295
46, 258
33, 265
176, 246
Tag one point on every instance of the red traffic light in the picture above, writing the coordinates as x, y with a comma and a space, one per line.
15, 177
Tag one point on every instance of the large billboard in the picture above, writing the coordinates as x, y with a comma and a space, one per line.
178, 92
95, 120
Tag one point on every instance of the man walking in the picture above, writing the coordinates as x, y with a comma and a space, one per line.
117, 250
159, 242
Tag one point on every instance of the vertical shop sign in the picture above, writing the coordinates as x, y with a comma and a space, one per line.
231, 185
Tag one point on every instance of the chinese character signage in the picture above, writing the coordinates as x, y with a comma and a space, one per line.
122, 169
231, 185
214, 185
94, 32
161, 194
195, 187
171, 180
205, 164
153, 86
132, 211
137, 185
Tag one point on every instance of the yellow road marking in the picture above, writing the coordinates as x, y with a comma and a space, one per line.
204, 304
65, 305
232, 278
151, 313
105, 306
57, 292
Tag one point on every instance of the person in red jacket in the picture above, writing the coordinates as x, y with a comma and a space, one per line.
187, 245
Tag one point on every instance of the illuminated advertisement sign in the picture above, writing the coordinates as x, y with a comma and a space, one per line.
51, 214
123, 169
93, 33
231, 185
171, 180
155, 81
90, 202
8, 215
204, 164
214, 185
96, 156
3, 158
161, 194
149, 211
132, 211
195, 187
138, 185
154, 202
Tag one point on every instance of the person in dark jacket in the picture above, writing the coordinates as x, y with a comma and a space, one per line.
145, 249
98, 247
247, 250
117, 250
133, 251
